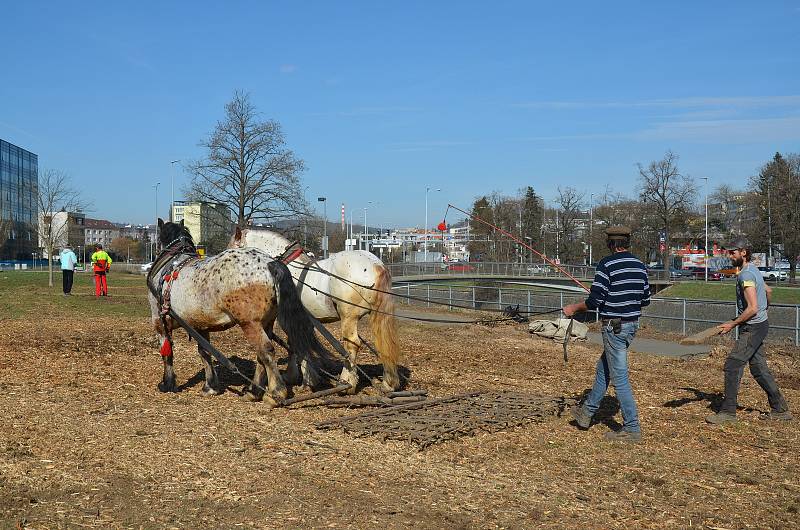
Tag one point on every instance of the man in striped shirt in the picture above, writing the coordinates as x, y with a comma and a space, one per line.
619, 291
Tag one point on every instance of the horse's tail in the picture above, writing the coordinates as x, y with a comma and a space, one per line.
384, 327
294, 318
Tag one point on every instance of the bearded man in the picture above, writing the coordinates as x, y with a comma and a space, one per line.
752, 299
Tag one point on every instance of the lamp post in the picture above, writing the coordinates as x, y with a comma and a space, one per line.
425, 256
156, 185
172, 176
705, 249
591, 226
769, 219
324, 202
366, 242
530, 252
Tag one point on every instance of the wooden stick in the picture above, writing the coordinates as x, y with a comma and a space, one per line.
701, 337
315, 395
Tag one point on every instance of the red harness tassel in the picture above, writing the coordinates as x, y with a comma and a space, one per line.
166, 349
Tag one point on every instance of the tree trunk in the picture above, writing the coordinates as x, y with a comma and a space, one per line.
50, 266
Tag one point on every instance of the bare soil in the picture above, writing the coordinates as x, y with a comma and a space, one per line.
86, 440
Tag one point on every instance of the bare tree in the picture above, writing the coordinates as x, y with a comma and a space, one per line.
56, 200
671, 193
570, 211
248, 168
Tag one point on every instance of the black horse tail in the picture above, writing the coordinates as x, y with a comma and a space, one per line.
294, 318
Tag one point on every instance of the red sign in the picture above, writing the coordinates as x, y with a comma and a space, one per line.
442, 226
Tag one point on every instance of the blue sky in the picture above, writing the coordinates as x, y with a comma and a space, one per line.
382, 100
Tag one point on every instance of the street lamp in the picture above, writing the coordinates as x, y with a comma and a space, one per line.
172, 204
324, 202
530, 252
591, 226
425, 257
705, 249
769, 219
156, 185
366, 242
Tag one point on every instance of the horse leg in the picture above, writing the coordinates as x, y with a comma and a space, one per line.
167, 383
266, 366
292, 376
211, 386
351, 342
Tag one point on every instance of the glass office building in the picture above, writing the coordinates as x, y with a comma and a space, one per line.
19, 183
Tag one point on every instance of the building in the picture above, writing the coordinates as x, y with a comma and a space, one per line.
209, 223
63, 229
100, 231
19, 186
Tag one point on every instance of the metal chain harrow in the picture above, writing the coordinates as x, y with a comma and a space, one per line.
438, 420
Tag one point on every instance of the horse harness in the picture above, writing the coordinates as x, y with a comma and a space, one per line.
165, 279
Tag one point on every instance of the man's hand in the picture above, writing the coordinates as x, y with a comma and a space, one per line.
725, 327
571, 309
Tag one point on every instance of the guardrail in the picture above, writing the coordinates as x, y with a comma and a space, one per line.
675, 315
520, 270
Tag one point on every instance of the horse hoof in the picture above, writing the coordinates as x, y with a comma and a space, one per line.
382, 386
270, 402
249, 396
166, 386
352, 379
209, 391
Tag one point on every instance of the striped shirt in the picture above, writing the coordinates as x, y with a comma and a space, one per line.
620, 288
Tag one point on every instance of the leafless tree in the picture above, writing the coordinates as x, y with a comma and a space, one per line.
248, 167
56, 195
570, 211
671, 194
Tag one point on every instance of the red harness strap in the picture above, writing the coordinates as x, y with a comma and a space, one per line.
166, 348
293, 256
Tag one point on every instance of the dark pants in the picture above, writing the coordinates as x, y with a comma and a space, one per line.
66, 280
749, 349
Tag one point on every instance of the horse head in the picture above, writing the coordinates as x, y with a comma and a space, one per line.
169, 233
270, 242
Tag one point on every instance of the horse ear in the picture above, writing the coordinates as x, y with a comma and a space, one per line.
181, 222
160, 223
237, 236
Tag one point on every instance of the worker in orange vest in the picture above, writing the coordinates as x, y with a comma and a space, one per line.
101, 264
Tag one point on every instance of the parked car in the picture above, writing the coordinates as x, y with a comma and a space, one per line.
676, 273
729, 272
699, 273
460, 267
769, 273
538, 269
146, 267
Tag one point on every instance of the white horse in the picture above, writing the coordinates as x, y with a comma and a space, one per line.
366, 289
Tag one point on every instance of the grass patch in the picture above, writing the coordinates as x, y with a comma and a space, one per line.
25, 294
725, 291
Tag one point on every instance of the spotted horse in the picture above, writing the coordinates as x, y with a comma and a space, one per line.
243, 287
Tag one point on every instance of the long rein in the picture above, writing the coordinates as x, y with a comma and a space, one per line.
315, 267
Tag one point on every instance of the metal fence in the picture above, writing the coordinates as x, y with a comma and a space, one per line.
522, 270
676, 315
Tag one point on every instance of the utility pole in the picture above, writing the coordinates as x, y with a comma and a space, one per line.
324, 202
769, 219
705, 250
591, 226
